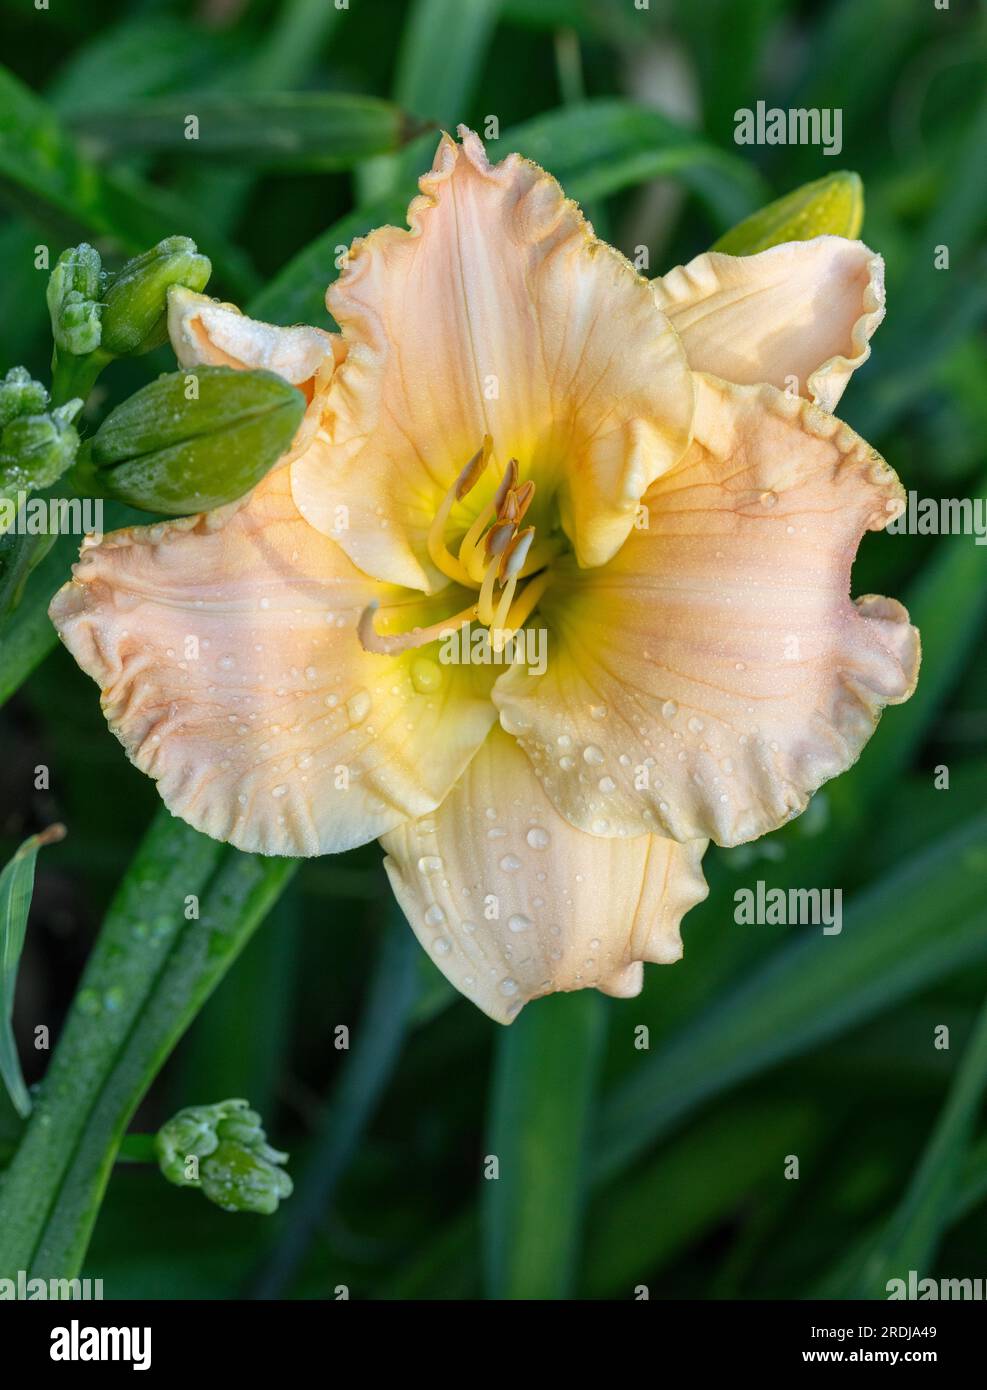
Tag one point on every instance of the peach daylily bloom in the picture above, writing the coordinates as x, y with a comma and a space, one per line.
514, 428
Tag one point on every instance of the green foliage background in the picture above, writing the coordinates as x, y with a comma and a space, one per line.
618, 1167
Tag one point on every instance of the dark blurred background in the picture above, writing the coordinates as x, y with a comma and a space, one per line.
662, 1167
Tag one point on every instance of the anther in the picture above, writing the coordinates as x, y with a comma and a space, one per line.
514, 555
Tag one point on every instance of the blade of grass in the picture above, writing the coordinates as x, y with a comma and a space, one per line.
542, 1097
378, 1040
149, 973
443, 45
16, 892
912, 1235
46, 177
915, 926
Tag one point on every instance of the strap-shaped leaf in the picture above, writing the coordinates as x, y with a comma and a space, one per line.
16, 892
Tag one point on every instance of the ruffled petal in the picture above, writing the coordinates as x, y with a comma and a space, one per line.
798, 315
715, 673
498, 313
511, 902
202, 330
225, 647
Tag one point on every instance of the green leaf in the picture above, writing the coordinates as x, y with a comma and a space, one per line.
16, 891
542, 1099
912, 1235
149, 973
600, 147
915, 926
367, 1070
831, 206
443, 45
690, 1186
44, 175
302, 130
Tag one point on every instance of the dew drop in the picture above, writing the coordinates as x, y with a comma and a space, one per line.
358, 706
592, 754
426, 675
518, 922
538, 837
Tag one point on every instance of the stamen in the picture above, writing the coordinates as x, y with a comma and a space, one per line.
498, 633
467, 480
499, 537
470, 555
514, 556
523, 495
474, 470
392, 644
507, 484
484, 605
526, 604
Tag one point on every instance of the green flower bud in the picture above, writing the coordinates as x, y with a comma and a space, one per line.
20, 395
35, 450
831, 206
164, 452
236, 1167
75, 288
135, 302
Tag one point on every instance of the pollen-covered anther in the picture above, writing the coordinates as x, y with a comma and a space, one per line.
499, 537
515, 553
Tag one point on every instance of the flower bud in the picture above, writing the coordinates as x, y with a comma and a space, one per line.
74, 292
35, 450
135, 302
20, 395
830, 206
235, 1166
163, 451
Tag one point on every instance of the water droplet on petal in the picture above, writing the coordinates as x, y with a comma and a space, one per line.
358, 706
426, 675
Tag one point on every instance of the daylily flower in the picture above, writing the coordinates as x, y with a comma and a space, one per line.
514, 428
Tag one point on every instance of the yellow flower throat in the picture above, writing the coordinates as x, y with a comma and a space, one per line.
494, 552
